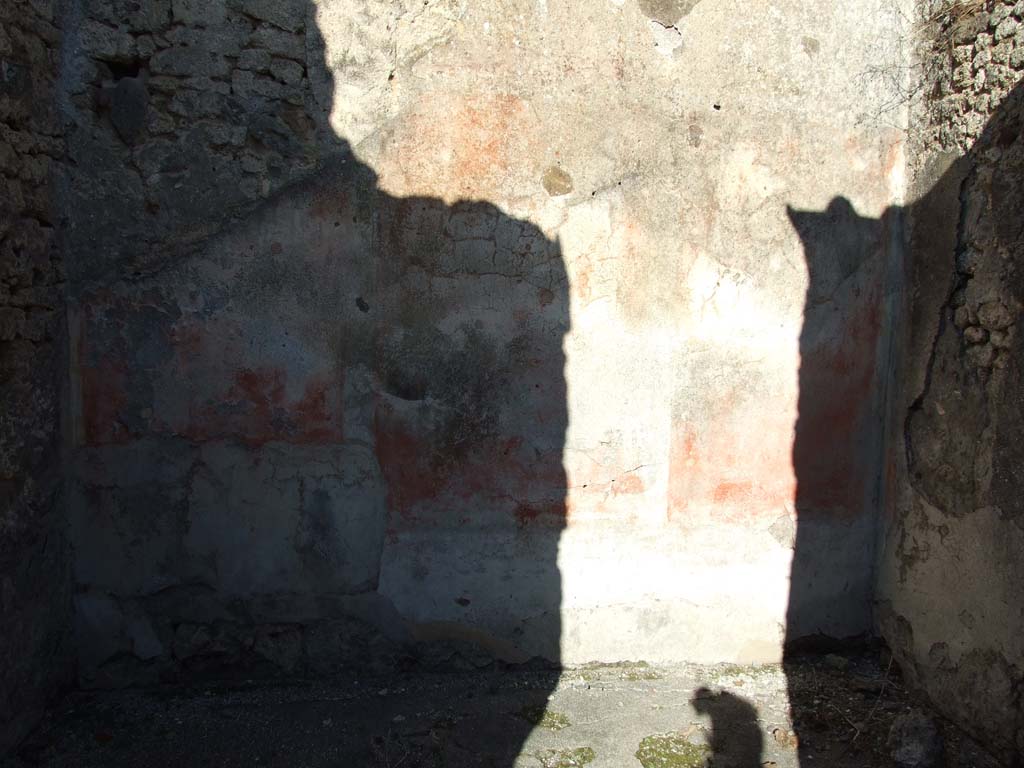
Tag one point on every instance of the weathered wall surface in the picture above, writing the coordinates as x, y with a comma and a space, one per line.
35, 579
951, 586
523, 370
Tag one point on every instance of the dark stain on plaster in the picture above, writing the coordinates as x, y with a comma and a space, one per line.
695, 135
810, 45
668, 13
128, 108
317, 535
556, 181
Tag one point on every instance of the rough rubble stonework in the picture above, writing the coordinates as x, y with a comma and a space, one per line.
951, 594
35, 653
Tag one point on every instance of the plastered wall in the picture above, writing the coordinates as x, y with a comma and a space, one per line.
508, 328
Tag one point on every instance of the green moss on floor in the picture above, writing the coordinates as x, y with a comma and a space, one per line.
544, 718
622, 670
670, 750
729, 671
566, 758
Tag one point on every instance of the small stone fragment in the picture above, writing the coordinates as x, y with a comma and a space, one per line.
915, 741
544, 718
994, 316
286, 70
198, 12
254, 59
566, 758
1000, 339
981, 356
975, 335
962, 317
785, 738
836, 661
867, 684
12, 323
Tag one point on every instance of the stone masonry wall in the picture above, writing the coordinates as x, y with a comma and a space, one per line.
951, 592
186, 116
35, 583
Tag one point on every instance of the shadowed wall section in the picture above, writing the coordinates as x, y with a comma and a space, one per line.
36, 653
951, 578
339, 424
948, 598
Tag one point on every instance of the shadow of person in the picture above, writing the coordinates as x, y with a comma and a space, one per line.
735, 740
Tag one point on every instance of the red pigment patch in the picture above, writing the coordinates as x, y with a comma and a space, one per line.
248, 403
726, 493
479, 137
313, 418
581, 280
405, 463
835, 401
683, 460
256, 410
709, 470
547, 514
187, 341
330, 206
716, 466
424, 479
104, 399
629, 483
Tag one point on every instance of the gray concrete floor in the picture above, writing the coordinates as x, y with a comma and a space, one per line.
619, 715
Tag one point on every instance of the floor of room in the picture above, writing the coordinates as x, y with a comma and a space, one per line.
853, 711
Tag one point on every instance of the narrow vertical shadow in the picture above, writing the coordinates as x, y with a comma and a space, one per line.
837, 448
